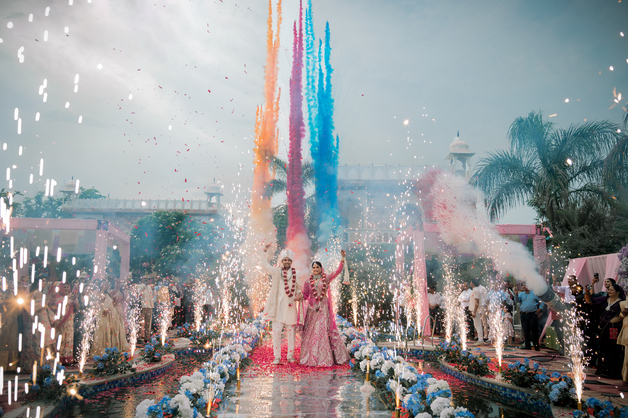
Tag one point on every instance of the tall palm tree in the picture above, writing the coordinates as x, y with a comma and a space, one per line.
616, 164
546, 167
278, 186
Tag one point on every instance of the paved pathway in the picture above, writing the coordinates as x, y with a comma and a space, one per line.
290, 390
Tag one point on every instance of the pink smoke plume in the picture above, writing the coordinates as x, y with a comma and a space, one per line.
296, 235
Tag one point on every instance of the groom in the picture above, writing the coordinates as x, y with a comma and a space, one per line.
281, 307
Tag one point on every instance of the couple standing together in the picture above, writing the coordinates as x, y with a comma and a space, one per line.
321, 343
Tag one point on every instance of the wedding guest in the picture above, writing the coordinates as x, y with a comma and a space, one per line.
465, 296
609, 319
622, 338
530, 307
434, 299
147, 297
64, 302
477, 306
31, 341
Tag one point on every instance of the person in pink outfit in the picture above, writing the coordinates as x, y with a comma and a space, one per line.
321, 343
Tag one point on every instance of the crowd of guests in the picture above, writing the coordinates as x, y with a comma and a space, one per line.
604, 317
43, 319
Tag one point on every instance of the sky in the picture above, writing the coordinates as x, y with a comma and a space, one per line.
167, 90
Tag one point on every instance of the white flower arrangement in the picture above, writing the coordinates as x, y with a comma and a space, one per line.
439, 405
206, 384
437, 385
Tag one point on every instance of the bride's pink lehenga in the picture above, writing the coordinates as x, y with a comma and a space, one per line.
321, 343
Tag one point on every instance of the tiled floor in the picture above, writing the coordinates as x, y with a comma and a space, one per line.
291, 390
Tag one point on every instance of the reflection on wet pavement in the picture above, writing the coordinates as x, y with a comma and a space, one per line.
335, 393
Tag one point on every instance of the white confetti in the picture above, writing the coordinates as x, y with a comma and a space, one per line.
67, 105
10, 25
66, 29
47, 12
99, 66
80, 119
37, 117
30, 18
16, 113
45, 36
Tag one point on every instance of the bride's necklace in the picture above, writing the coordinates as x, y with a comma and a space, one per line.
318, 297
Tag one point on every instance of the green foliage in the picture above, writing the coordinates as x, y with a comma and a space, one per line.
172, 243
371, 269
566, 175
112, 362
464, 360
40, 206
48, 387
90, 193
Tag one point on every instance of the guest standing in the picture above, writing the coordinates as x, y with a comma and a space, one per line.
477, 306
434, 299
322, 345
623, 336
146, 295
465, 296
529, 306
609, 322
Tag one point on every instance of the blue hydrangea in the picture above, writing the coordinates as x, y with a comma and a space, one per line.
105, 357
536, 366
97, 358
464, 414
100, 366
379, 374
47, 368
555, 375
47, 381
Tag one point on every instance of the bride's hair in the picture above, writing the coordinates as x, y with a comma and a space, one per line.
318, 263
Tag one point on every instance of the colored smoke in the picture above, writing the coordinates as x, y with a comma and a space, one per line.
453, 204
325, 152
261, 229
297, 234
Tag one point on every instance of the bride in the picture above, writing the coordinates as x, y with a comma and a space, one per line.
321, 344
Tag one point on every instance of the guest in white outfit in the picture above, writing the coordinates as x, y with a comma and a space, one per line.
281, 307
148, 303
477, 306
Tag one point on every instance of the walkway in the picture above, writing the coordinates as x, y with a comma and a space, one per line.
291, 390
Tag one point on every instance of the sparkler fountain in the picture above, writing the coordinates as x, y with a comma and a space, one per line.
165, 319
496, 320
133, 316
450, 305
574, 341
89, 327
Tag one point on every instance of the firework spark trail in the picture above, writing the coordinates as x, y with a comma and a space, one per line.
296, 234
165, 319
451, 301
496, 320
198, 297
90, 322
134, 308
461, 320
574, 341
261, 229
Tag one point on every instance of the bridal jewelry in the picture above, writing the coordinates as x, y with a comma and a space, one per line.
318, 297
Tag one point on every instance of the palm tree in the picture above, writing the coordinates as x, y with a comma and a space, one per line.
616, 164
546, 167
278, 186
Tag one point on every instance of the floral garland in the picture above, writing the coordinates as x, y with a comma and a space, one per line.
318, 297
421, 395
207, 385
289, 292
